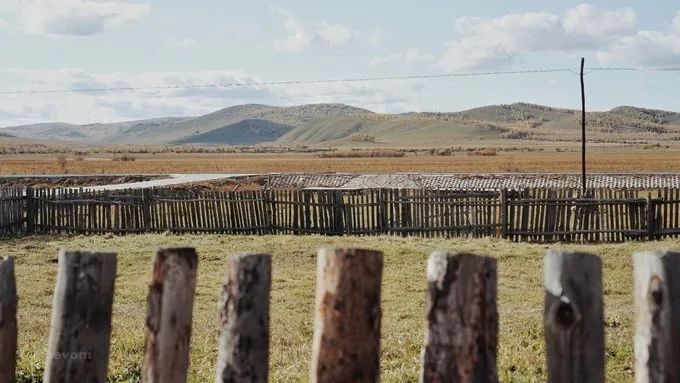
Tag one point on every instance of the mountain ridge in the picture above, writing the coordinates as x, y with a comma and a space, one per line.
340, 124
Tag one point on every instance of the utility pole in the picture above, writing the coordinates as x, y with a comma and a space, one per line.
583, 130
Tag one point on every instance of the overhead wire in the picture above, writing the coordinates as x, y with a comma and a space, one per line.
238, 84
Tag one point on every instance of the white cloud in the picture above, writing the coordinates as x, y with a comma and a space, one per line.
414, 55
646, 48
486, 43
300, 35
375, 35
585, 19
75, 17
336, 35
180, 43
409, 56
150, 99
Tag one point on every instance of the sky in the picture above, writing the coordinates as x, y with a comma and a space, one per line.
166, 44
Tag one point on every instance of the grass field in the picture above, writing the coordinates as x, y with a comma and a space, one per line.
520, 300
599, 160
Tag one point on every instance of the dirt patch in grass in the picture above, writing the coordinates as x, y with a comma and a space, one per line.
521, 354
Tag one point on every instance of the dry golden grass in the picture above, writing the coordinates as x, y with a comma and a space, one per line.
600, 160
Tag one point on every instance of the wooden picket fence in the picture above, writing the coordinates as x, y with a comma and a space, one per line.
532, 215
12, 213
461, 335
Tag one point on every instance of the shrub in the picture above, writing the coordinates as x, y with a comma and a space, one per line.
362, 137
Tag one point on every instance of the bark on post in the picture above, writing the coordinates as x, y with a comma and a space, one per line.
461, 340
346, 343
8, 320
168, 318
80, 328
573, 317
657, 309
243, 354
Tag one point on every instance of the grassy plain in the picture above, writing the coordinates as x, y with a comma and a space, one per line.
600, 159
521, 353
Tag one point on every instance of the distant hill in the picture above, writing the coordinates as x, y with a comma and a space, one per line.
246, 132
339, 125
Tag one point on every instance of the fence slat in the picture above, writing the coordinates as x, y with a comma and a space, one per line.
80, 328
573, 317
346, 343
243, 354
461, 339
8, 320
168, 319
657, 309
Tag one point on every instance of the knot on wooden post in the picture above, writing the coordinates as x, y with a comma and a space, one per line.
573, 317
346, 343
565, 315
461, 339
657, 316
243, 354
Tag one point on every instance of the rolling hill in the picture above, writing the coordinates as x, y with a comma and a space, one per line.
341, 125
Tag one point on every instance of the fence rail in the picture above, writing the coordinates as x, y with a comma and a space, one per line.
461, 299
532, 215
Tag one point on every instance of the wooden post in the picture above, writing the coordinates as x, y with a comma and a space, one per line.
243, 354
584, 184
504, 213
168, 317
80, 328
8, 320
573, 317
657, 323
650, 217
461, 339
30, 210
338, 199
346, 343
146, 209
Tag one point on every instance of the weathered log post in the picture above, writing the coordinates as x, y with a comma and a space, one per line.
573, 318
168, 318
504, 213
30, 210
80, 328
8, 320
346, 343
243, 354
657, 320
461, 339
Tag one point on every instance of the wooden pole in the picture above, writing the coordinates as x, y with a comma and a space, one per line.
504, 213
346, 343
30, 210
80, 329
243, 354
168, 319
573, 318
657, 316
461, 340
8, 320
583, 129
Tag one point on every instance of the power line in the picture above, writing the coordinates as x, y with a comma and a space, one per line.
326, 81
287, 82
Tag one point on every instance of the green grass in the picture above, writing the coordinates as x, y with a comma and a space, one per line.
520, 300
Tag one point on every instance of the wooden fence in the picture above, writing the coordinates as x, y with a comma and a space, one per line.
12, 214
461, 335
532, 215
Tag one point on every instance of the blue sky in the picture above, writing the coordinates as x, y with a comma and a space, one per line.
78, 44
